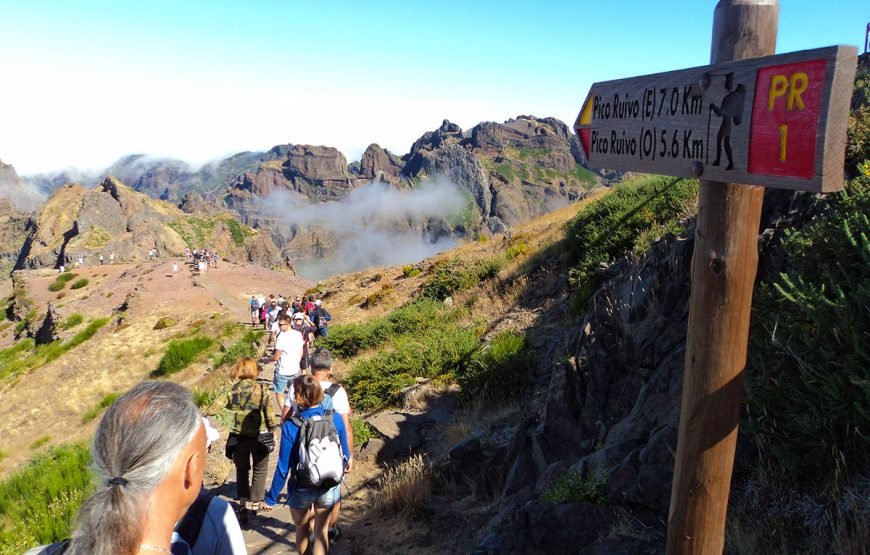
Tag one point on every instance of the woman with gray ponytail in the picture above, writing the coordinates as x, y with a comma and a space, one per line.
148, 454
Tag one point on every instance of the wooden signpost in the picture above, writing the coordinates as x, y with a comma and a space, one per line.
749, 120
777, 121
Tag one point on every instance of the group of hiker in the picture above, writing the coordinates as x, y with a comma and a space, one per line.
150, 449
265, 312
202, 258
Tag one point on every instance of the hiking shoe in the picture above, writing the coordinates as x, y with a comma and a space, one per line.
243, 517
334, 533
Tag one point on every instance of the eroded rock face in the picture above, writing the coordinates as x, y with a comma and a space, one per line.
378, 164
77, 222
463, 169
612, 408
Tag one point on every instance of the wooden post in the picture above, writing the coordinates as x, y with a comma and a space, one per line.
724, 265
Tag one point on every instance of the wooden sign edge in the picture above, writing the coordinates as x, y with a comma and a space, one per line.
833, 147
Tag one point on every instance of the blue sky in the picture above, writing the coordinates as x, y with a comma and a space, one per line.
85, 81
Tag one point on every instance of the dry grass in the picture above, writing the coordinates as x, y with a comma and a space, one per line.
769, 516
626, 525
405, 488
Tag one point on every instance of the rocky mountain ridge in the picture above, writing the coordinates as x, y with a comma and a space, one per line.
510, 172
80, 222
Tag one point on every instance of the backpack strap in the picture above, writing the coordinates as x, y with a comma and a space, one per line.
333, 389
191, 523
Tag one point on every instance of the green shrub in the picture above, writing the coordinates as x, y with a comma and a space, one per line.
410, 271
29, 317
104, 403
246, 346
506, 171
180, 353
516, 250
40, 442
39, 501
236, 232
60, 281
578, 488
74, 320
809, 388
449, 277
347, 340
79, 283
164, 322
438, 349
496, 370
56, 285
205, 397
362, 431
376, 298
82, 336
26, 355
2, 455
630, 216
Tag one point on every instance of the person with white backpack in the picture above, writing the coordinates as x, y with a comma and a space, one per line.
313, 455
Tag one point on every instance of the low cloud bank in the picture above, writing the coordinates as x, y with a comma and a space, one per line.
376, 225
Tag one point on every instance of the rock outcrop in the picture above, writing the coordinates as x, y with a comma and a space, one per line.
83, 223
612, 409
378, 164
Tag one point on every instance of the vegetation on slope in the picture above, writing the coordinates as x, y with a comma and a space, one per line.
26, 355
629, 217
37, 503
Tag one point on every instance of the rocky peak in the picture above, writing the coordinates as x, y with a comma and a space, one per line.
193, 203
379, 164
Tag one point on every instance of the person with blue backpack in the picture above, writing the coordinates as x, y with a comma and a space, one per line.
312, 456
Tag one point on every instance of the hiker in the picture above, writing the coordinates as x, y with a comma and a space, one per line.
272, 316
148, 454
301, 496
264, 311
286, 356
174, 268
254, 305
321, 318
102, 260
309, 305
210, 526
246, 412
301, 324
335, 398
112, 257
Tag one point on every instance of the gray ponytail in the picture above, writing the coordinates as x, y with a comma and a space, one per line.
138, 439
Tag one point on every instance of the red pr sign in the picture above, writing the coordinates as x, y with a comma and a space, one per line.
785, 119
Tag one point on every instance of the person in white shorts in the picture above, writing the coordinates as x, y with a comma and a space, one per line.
286, 356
